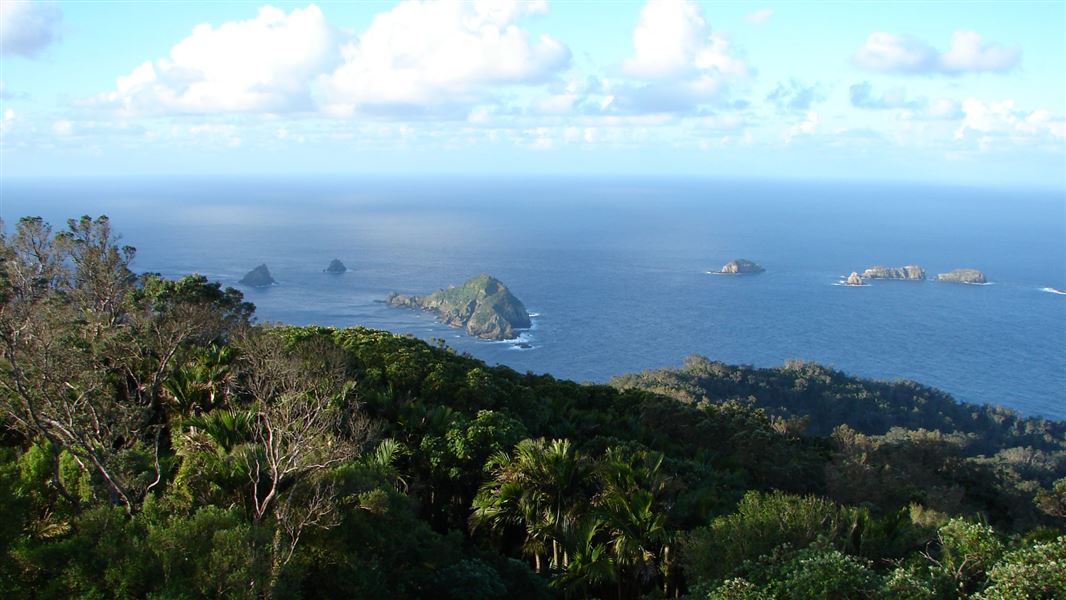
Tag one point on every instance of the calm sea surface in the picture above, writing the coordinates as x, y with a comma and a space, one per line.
616, 269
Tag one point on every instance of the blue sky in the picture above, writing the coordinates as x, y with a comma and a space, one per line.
953, 92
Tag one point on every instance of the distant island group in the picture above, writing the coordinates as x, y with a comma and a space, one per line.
915, 273
485, 308
742, 266
482, 305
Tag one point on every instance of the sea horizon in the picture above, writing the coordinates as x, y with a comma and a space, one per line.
635, 253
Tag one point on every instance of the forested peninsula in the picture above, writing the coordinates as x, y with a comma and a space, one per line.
156, 442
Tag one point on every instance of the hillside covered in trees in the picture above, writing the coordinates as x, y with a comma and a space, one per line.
155, 442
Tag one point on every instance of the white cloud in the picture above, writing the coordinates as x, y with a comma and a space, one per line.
672, 40
432, 56
264, 64
27, 28
760, 16
890, 53
1003, 119
680, 63
804, 127
967, 53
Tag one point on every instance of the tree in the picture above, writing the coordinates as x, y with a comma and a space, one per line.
542, 486
86, 348
305, 423
632, 501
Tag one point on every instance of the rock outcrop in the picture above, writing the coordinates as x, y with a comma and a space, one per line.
908, 273
741, 265
482, 305
854, 279
258, 277
963, 276
336, 266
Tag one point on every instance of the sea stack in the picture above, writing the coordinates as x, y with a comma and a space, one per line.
907, 273
258, 277
963, 276
741, 265
482, 305
854, 279
336, 266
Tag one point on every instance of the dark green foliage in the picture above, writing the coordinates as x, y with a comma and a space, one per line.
154, 443
826, 398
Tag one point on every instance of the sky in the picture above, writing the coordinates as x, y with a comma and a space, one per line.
970, 93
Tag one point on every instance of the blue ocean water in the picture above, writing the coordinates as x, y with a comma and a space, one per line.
616, 270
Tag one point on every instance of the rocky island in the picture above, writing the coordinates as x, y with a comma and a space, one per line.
482, 305
741, 265
854, 279
907, 273
963, 276
336, 266
258, 277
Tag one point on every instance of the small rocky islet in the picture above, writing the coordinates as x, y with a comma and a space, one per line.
741, 266
482, 306
963, 276
258, 277
906, 273
914, 273
336, 267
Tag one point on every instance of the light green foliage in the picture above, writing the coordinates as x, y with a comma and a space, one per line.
820, 573
967, 550
1029, 573
909, 582
737, 589
763, 522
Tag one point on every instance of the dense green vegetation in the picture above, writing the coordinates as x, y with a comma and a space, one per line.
155, 442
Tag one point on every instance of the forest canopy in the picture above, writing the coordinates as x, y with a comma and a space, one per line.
155, 441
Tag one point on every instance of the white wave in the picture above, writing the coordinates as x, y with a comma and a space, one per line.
1052, 290
534, 315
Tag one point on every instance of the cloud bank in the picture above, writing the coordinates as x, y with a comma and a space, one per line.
890, 53
27, 28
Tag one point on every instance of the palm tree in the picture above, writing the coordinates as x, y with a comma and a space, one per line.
542, 486
633, 491
202, 384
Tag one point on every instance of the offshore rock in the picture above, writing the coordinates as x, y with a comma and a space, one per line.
258, 277
963, 276
741, 265
907, 273
336, 266
482, 305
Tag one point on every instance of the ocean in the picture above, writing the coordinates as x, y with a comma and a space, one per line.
615, 270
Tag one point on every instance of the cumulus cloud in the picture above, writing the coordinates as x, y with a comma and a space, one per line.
863, 96
265, 64
1004, 119
433, 56
794, 95
890, 53
679, 62
27, 28
761, 16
